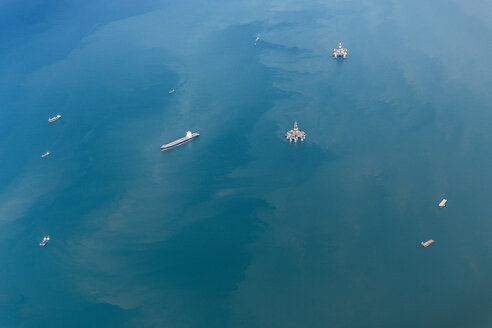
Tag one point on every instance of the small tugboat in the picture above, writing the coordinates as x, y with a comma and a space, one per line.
187, 138
340, 52
427, 243
295, 134
44, 155
257, 39
443, 203
46, 239
171, 91
56, 118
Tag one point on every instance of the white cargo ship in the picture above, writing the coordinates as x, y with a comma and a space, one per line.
43, 243
57, 117
44, 155
171, 91
187, 138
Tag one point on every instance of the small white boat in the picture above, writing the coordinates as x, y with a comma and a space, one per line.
44, 155
43, 243
442, 203
55, 118
171, 91
257, 39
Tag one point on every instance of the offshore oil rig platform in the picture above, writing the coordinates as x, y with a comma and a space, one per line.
295, 134
340, 52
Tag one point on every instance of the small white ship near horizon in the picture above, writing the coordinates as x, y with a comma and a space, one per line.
172, 91
443, 203
45, 240
55, 118
340, 52
44, 155
187, 138
295, 134
257, 39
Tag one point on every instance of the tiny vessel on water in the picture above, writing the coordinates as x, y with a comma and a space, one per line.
57, 117
295, 134
43, 243
443, 203
340, 52
187, 138
171, 91
257, 39
427, 243
44, 155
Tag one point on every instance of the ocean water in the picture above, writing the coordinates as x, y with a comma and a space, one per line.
240, 228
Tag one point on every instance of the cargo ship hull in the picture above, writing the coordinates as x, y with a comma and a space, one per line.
180, 141
53, 119
427, 243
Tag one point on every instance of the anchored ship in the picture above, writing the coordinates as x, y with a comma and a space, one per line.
46, 239
443, 203
171, 91
44, 155
427, 243
187, 138
57, 117
340, 52
295, 134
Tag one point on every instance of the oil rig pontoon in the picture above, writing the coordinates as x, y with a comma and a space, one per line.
340, 52
294, 135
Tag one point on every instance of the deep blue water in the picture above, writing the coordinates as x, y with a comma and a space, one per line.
239, 228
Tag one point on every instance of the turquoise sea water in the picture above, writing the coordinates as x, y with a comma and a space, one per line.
240, 228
